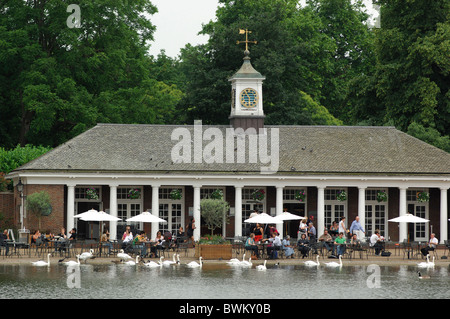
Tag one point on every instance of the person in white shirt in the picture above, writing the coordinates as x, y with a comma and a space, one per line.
431, 245
275, 244
376, 242
127, 237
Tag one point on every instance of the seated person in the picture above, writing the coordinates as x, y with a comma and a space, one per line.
431, 245
251, 245
327, 241
127, 238
376, 242
340, 243
139, 242
303, 245
275, 244
73, 234
36, 238
104, 240
3, 238
286, 246
159, 240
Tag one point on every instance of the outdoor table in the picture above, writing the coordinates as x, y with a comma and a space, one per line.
407, 250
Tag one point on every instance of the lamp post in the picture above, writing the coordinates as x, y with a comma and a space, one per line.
20, 187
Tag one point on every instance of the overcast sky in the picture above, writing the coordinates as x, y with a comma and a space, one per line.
179, 21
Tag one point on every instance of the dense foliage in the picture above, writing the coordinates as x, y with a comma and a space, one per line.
324, 65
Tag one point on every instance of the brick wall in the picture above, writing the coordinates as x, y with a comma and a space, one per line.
56, 219
7, 205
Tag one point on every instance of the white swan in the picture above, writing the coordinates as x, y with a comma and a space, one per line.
194, 264
431, 263
41, 262
72, 262
123, 255
152, 264
87, 255
246, 263
335, 264
262, 267
178, 259
169, 262
132, 262
312, 263
235, 261
424, 264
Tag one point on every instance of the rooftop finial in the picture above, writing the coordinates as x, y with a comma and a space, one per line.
246, 32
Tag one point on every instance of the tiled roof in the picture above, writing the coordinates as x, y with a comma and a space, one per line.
302, 150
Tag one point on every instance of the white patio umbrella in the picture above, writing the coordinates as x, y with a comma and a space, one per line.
262, 218
91, 212
146, 217
101, 216
409, 218
288, 216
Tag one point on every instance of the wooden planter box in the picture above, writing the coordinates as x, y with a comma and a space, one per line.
213, 251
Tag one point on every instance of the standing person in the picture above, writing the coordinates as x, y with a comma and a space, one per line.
190, 230
357, 229
342, 228
258, 232
302, 228
312, 234
431, 245
3, 238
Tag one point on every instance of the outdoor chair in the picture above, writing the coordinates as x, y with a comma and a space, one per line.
182, 245
447, 244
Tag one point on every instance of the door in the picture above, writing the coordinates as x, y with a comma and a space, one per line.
173, 214
247, 210
291, 226
86, 230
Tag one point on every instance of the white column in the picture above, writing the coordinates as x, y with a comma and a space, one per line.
320, 210
444, 215
155, 209
362, 207
403, 232
197, 216
113, 211
238, 211
279, 209
70, 207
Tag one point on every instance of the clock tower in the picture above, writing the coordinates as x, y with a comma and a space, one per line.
246, 94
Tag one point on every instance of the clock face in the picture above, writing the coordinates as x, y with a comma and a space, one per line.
249, 98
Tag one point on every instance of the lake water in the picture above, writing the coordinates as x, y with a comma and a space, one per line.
220, 281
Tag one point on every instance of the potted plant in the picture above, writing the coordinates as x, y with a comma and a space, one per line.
300, 196
382, 196
214, 214
175, 194
91, 193
422, 197
39, 205
134, 193
341, 196
258, 195
217, 194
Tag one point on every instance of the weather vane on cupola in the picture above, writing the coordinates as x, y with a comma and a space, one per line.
246, 32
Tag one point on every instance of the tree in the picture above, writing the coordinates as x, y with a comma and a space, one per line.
412, 74
344, 22
214, 212
39, 204
291, 53
57, 81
